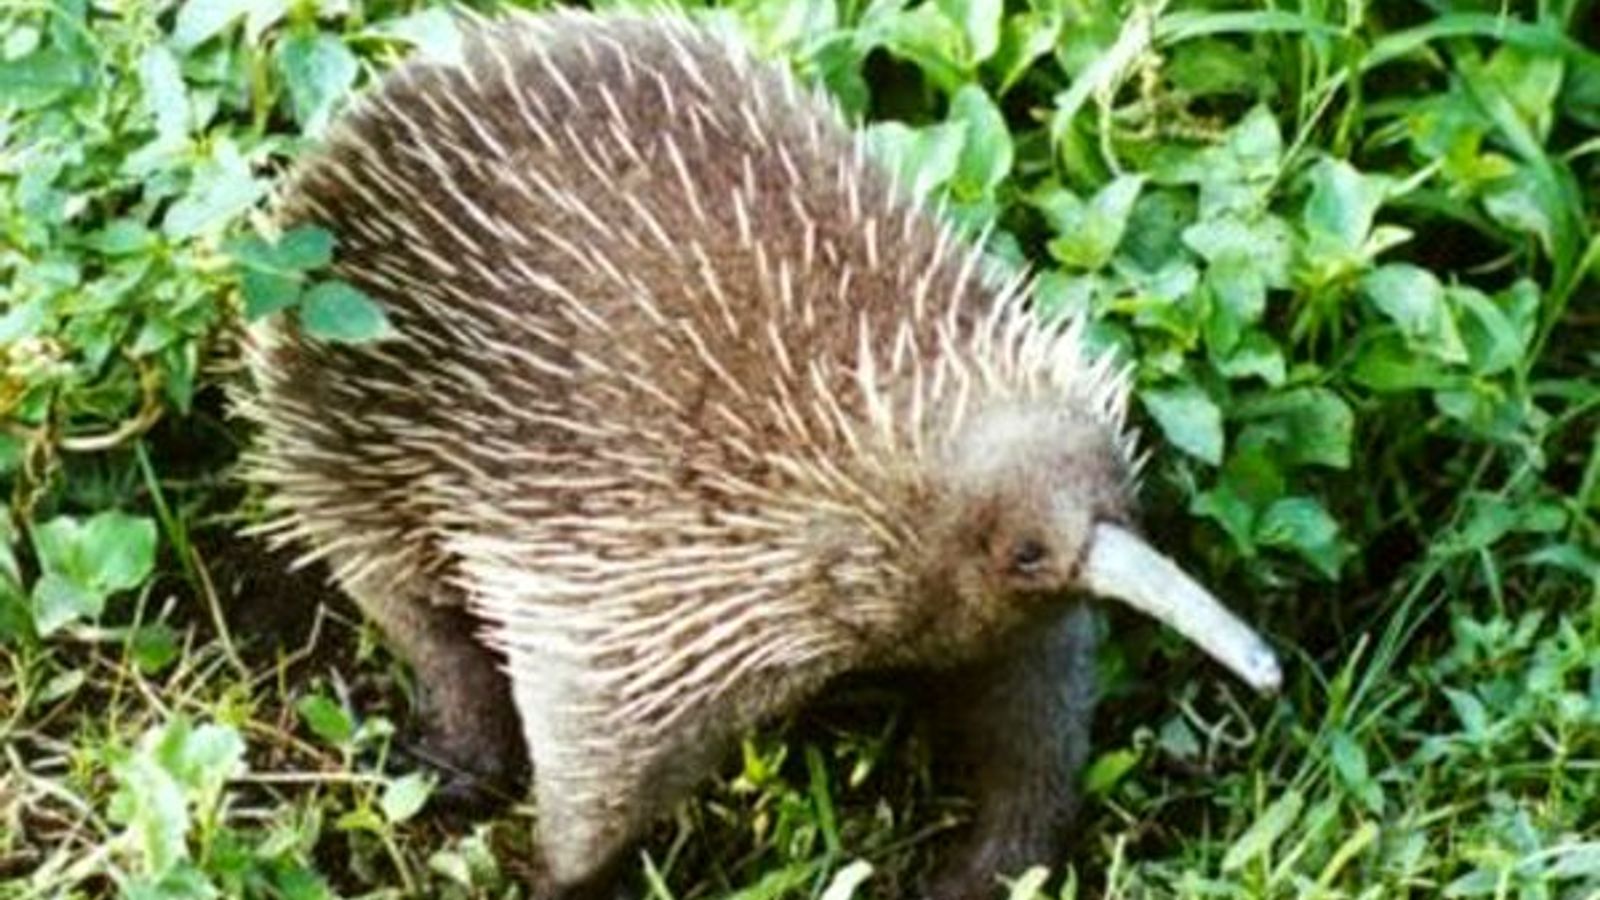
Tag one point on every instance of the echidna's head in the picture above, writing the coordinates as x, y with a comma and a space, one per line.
1033, 507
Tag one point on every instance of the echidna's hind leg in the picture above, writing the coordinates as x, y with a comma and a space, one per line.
467, 728
1020, 726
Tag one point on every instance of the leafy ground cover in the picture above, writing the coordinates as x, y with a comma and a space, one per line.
1353, 247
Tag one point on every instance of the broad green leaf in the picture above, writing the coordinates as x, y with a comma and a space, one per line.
1211, 67
1256, 145
58, 545
151, 804
336, 311
59, 601
200, 20
1189, 419
40, 78
1258, 839
1024, 38
122, 237
986, 150
326, 718
979, 21
1343, 204
319, 71
1240, 292
405, 796
1316, 426
1263, 243
1108, 770
267, 292
1302, 525
1386, 364
166, 99
1489, 335
223, 189
1153, 239
202, 758
1087, 234
1470, 710
1350, 762
119, 550
1528, 204
1413, 299
1531, 81
435, 34
924, 37
1255, 356
304, 248
154, 647
922, 159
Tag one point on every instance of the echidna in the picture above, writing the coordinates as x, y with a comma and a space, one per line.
687, 411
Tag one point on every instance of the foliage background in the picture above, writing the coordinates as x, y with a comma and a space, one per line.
1353, 248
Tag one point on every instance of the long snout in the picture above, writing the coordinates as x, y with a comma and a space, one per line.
1122, 566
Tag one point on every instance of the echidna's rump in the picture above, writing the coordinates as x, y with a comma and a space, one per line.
687, 404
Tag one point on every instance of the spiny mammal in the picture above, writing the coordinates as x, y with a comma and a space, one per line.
689, 411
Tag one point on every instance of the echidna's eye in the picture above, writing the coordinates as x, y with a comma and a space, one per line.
1028, 557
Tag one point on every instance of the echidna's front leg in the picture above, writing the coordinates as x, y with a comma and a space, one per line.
1021, 728
467, 728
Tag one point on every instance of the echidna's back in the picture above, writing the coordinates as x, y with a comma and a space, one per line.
602, 241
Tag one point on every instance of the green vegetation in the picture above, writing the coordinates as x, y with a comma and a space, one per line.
1353, 247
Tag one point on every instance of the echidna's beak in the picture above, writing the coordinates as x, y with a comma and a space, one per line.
1122, 566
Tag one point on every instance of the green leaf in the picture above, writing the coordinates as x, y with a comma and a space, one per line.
980, 24
1386, 364
59, 601
1024, 38
1256, 356
1343, 204
1264, 244
1088, 234
986, 150
267, 292
1350, 762
166, 100
405, 796
120, 550
1188, 418
1302, 525
1491, 338
40, 78
1414, 300
1108, 770
1470, 710
1316, 426
922, 159
200, 20
150, 803
922, 36
319, 71
434, 32
1258, 839
304, 248
336, 311
1528, 204
223, 189
58, 546
202, 759
327, 719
